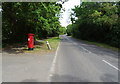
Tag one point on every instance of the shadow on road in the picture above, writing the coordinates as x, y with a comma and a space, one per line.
60, 80
66, 78
109, 78
30, 80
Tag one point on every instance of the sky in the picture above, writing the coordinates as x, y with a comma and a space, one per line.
65, 20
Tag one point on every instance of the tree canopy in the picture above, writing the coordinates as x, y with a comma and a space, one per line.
21, 18
97, 21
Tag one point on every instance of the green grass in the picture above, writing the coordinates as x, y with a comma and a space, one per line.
41, 47
53, 42
101, 45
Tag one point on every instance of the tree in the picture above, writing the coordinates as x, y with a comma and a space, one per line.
97, 21
21, 18
69, 30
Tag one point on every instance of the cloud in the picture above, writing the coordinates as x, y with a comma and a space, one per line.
66, 15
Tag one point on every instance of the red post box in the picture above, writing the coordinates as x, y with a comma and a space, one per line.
30, 41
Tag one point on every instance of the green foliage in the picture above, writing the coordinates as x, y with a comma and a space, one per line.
97, 21
69, 30
62, 30
21, 18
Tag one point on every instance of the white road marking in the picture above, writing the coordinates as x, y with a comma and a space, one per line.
111, 65
52, 69
85, 49
79, 46
91, 52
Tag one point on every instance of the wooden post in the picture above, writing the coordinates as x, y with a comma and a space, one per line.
48, 45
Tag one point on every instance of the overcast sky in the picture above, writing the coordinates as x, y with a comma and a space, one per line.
68, 5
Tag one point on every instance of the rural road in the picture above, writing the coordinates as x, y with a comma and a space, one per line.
74, 61
77, 61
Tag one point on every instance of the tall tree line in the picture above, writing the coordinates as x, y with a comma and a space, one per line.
97, 21
21, 18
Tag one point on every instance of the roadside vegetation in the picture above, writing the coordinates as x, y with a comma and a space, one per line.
96, 22
103, 45
21, 18
39, 18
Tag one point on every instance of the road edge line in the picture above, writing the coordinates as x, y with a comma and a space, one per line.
52, 69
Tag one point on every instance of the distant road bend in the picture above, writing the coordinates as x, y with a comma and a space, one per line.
76, 61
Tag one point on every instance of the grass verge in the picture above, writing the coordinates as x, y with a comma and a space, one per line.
40, 47
100, 45
54, 42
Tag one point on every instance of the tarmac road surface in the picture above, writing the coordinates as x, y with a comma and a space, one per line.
76, 61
